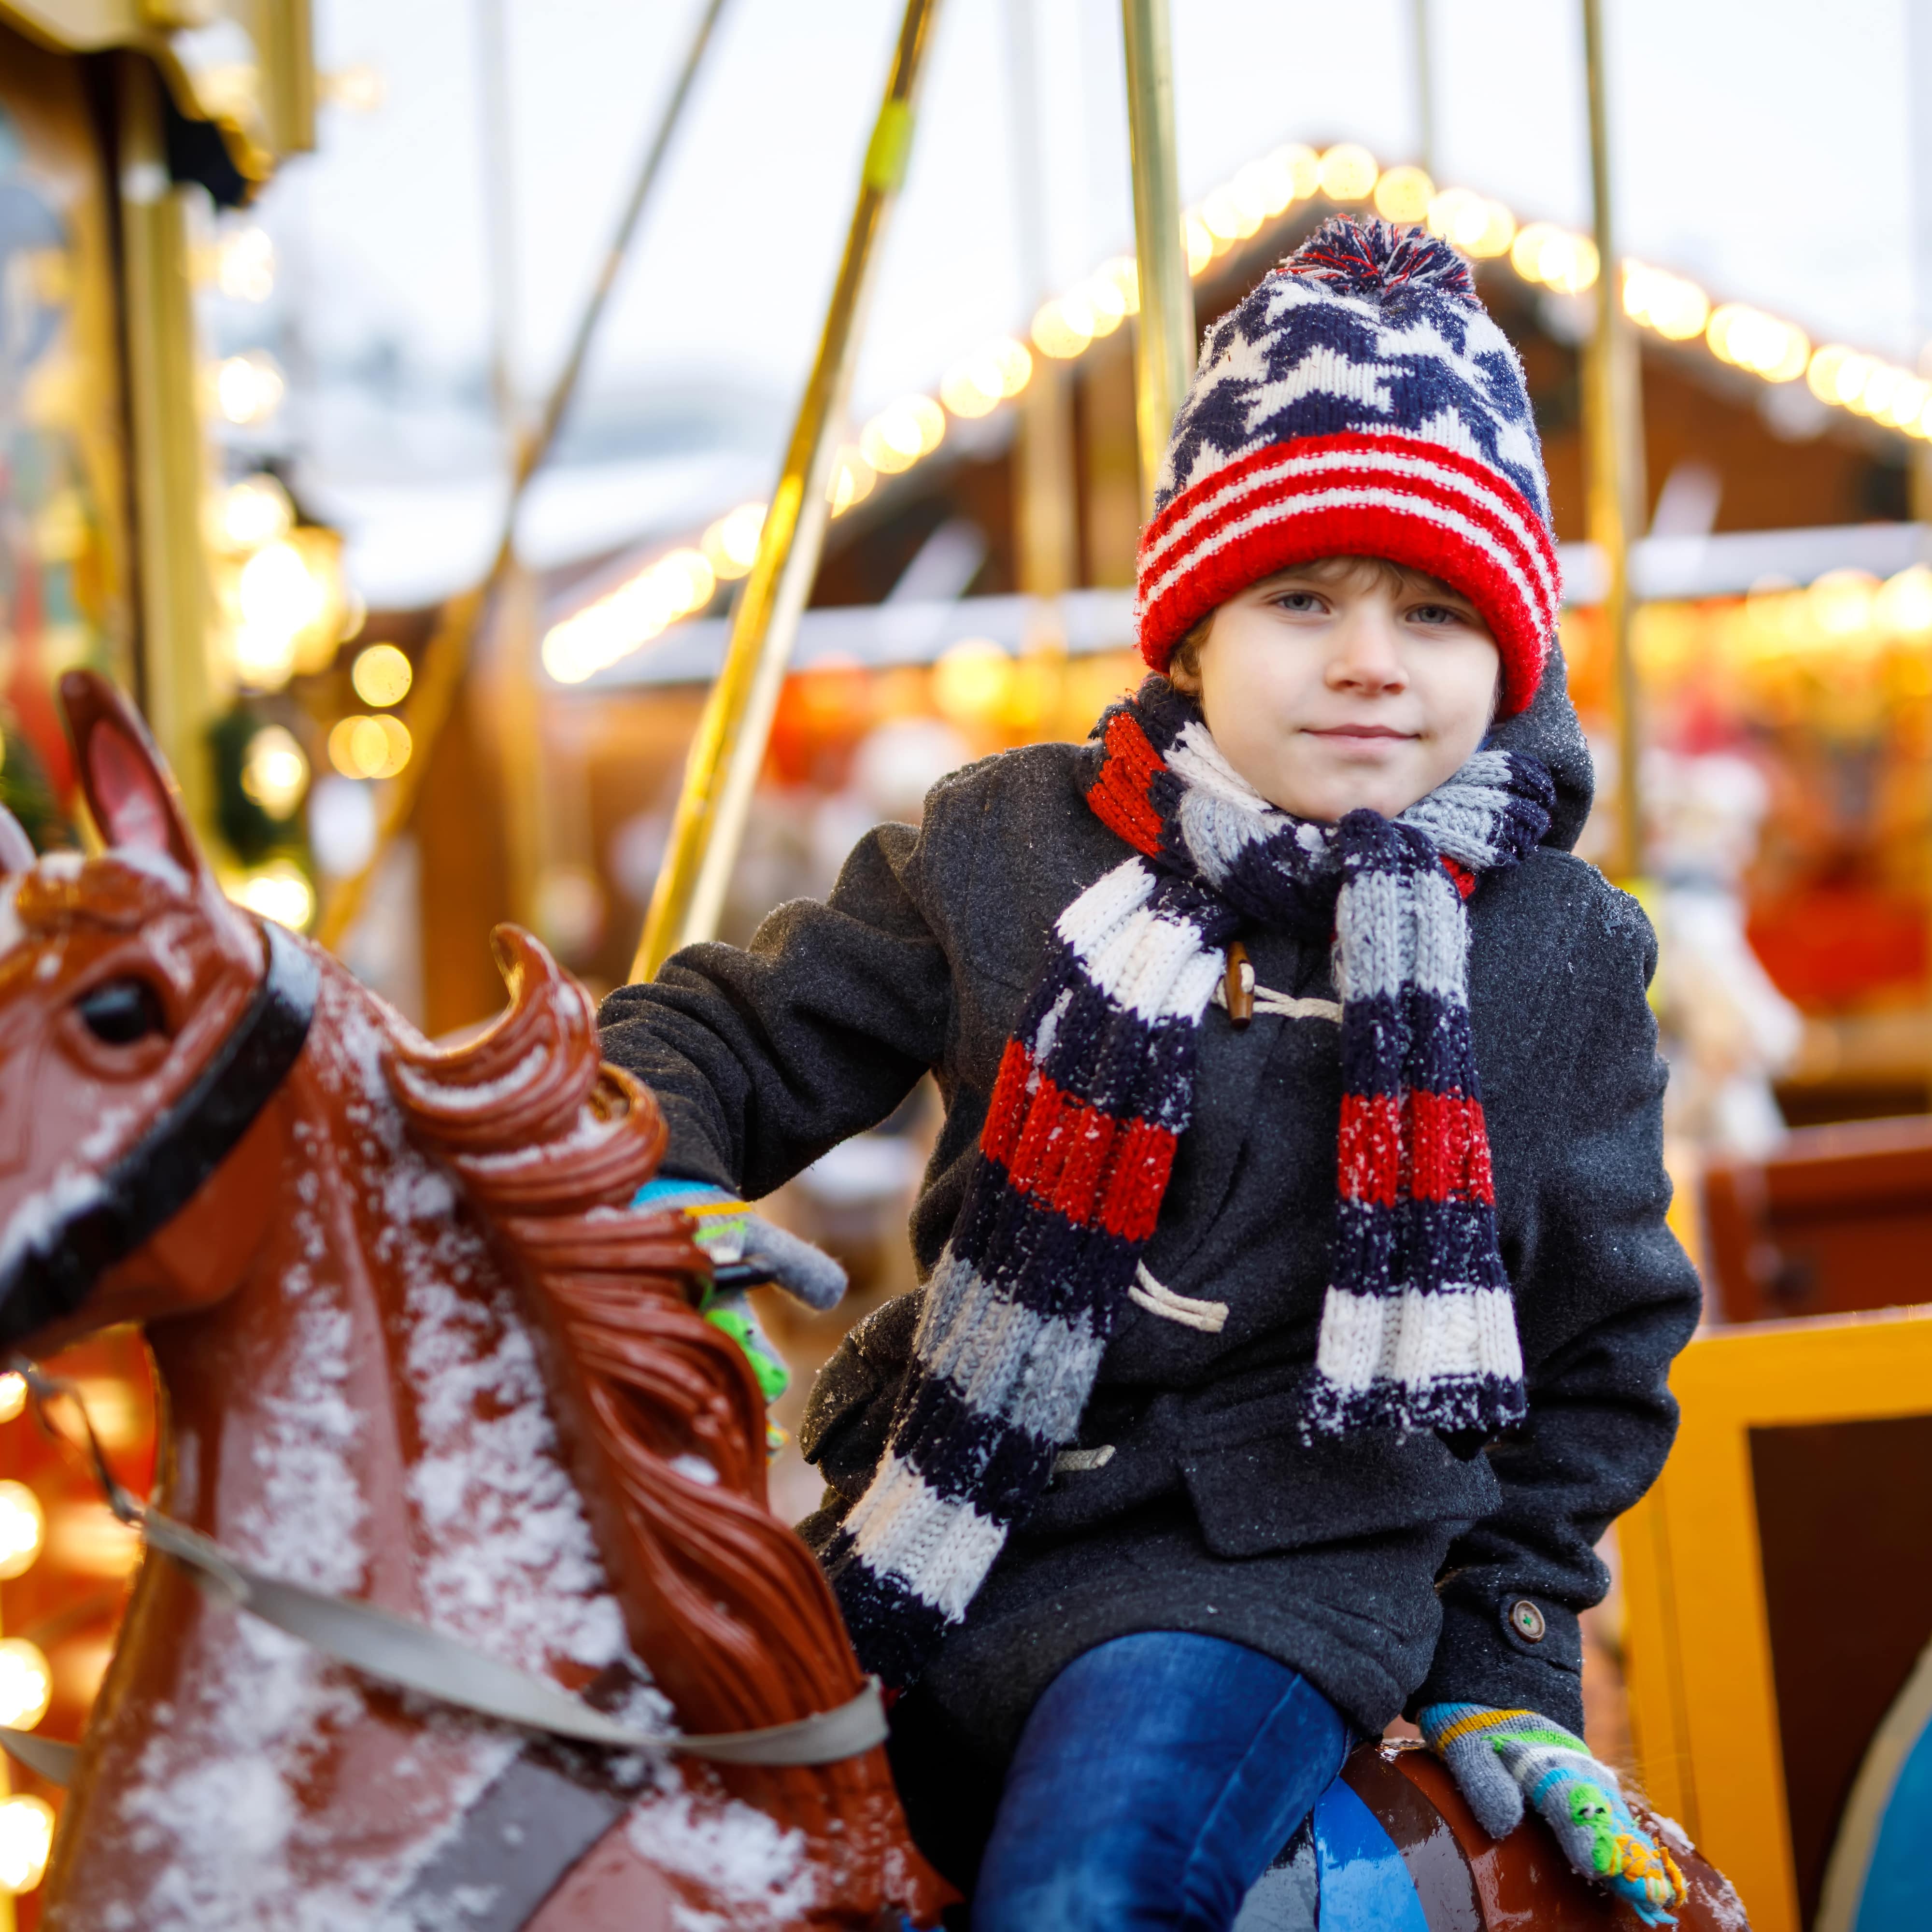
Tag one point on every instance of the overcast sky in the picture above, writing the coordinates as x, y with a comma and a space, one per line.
1761, 146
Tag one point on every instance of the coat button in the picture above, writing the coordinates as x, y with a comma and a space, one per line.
1526, 1620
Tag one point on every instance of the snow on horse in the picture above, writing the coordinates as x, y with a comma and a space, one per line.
417, 1351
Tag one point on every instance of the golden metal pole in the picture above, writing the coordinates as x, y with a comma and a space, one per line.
180, 688
1425, 85
726, 755
1164, 349
1610, 399
448, 651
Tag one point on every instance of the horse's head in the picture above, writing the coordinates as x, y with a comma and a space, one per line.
145, 1023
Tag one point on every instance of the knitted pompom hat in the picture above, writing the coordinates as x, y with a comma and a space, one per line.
1358, 401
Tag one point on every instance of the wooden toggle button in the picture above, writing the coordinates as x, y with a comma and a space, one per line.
1239, 990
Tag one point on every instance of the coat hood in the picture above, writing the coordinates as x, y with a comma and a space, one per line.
1548, 730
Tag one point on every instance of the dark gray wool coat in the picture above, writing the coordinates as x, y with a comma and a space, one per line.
1387, 1569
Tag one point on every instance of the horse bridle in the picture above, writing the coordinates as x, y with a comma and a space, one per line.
137, 1197
52, 1272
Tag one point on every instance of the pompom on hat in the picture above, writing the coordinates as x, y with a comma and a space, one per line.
1358, 401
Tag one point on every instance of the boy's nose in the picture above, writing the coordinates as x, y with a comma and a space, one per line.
1367, 657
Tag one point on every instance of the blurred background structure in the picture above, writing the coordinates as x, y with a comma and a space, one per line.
281, 302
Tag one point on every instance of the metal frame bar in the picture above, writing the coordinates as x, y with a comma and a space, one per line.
1164, 347
1610, 394
729, 748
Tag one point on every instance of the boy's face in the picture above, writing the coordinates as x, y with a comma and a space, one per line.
1343, 684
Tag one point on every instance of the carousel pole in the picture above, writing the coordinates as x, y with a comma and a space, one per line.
448, 653
1610, 399
1164, 349
1425, 85
729, 749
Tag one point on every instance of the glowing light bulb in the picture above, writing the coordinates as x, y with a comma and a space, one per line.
1104, 302
26, 1838
1836, 374
1842, 603
1472, 223
972, 388
23, 1528
1403, 194
12, 1395
971, 680
1198, 241
1747, 338
245, 265
1062, 330
275, 769
279, 891
377, 747
282, 592
852, 479
249, 388
382, 675
252, 512
1560, 260
26, 1683
1254, 191
1227, 220
1348, 173
1015, 362
1677, 310
1904, 606
731, 545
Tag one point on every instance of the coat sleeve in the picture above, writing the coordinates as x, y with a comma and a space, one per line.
1606, 1297
762, 1058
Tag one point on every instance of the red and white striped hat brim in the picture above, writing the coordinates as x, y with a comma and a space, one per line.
1401, 497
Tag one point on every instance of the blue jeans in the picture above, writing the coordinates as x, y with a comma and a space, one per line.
1155, 1780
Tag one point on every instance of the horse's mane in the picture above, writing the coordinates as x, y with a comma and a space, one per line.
662, 1419
664, 1423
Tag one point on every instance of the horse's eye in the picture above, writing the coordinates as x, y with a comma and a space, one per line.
120, 1011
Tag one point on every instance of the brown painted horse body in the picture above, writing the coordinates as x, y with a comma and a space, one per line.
416, 1350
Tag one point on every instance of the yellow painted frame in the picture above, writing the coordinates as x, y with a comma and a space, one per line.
1703, 1704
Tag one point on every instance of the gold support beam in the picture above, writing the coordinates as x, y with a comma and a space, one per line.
1612, 440
447, 654
729, 749
1164, 348
180, 691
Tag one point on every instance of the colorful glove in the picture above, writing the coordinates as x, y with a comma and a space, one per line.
728, 1230
1500, 1758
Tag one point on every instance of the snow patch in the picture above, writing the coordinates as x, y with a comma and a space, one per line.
39, 1220
738, 1853
479, 1099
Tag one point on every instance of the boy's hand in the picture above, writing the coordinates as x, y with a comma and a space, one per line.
1500, 1758
728, 1230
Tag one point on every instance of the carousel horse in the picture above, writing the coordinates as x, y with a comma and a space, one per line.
468, 1613
417, 1352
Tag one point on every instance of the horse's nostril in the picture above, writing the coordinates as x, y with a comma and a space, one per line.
120, 1011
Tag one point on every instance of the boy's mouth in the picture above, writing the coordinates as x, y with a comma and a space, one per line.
1356, 731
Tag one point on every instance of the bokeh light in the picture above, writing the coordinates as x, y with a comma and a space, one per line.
274, 770
382, 675
23, 1528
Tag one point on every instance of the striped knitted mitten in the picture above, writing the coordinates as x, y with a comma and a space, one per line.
1500, 1758
728, 1230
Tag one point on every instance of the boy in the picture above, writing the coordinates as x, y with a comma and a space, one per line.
1298, 1301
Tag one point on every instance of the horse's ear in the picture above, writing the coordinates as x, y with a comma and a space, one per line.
16, 849
129, 787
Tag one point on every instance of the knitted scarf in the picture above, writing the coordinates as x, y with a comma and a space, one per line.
1096, 1087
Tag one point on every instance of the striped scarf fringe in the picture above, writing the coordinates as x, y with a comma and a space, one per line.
1095, 1089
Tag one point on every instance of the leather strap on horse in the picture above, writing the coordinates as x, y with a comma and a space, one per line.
49, 1275
412, 1657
